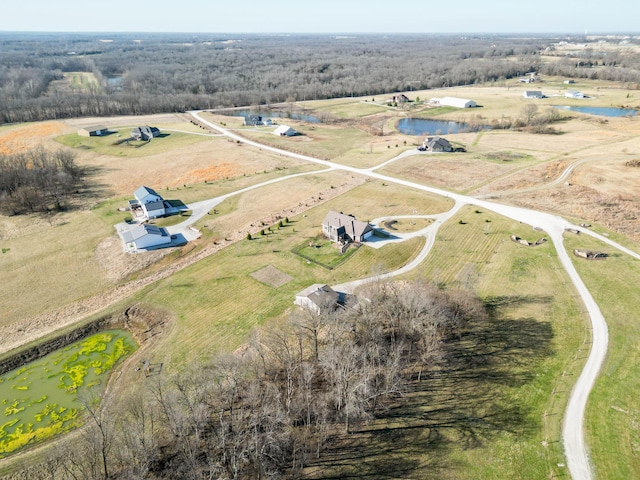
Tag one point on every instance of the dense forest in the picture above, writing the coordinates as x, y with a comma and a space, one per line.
150, 73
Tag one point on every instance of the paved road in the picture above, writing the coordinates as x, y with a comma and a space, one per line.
554, 226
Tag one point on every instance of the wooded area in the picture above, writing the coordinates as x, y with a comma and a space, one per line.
151, 73
267, 412
37, 181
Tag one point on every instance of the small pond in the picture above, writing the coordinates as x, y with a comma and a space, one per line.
424, 126
271, 114
40, 399
601, 111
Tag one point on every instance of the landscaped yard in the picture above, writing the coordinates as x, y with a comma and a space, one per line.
323, 252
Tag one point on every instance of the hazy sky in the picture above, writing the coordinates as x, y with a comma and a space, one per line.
321, 16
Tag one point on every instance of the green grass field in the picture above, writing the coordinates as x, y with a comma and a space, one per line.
613, 417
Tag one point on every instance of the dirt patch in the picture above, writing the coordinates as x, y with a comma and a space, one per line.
210, 173
271, 276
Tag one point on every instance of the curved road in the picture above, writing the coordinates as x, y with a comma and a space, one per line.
573, 438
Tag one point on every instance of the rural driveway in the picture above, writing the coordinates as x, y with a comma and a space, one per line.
554, 226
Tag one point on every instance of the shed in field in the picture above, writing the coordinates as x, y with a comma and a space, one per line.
94, 131
284, 131
454, 102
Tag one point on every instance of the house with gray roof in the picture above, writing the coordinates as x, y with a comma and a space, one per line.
341, 228
148, 202
253, 120
144, 237
317, 298
437, 144
145, 133
532, 94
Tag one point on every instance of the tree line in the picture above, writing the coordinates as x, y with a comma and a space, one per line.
176, 73
37, 180
151, 73
269, 411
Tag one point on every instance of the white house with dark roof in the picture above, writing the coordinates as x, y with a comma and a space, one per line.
149, 201
317, 297
339, 227
532, 94
144, 237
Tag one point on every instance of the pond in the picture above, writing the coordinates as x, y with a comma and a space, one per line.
271, 114
601, 111
40, 399
424, 126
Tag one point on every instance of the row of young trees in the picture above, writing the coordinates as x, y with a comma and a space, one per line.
37, 181
267, 412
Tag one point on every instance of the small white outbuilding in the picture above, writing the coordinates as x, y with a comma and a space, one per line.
454, 102
284, 131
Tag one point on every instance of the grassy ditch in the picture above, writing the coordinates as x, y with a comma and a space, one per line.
41, 399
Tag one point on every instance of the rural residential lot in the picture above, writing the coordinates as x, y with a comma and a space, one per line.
497, 407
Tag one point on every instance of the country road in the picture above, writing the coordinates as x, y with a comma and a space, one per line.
573, 435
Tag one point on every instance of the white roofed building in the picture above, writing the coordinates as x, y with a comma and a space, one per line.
143, 237
284, 131
454, 102
151, 203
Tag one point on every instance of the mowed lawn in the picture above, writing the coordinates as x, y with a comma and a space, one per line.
114, 144
613, 414
494, 409
217, 302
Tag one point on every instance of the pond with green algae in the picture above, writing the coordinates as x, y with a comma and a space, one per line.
40, 399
